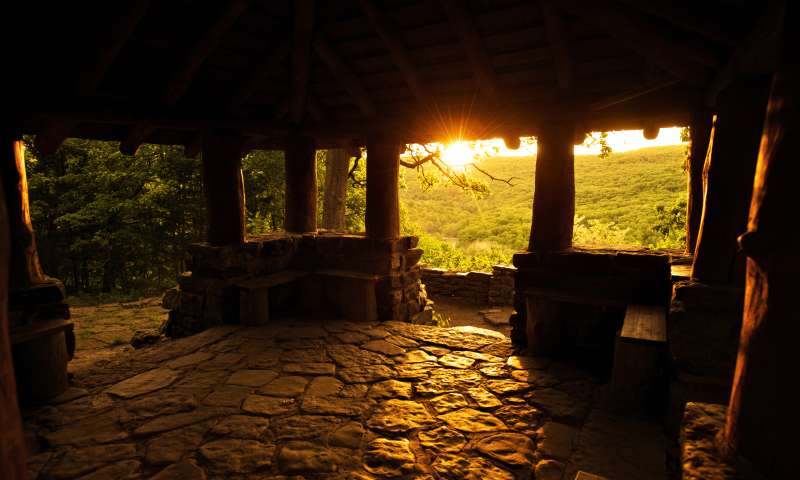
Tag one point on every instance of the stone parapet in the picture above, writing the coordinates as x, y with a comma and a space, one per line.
482, 288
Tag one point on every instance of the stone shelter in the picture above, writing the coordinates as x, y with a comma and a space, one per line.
354, 388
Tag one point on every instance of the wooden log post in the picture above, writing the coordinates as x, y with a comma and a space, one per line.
383, 195
700, 131
223, 187
728, 181
12, 446
301, 185
762, 420
337, 162
24, 269
554, 188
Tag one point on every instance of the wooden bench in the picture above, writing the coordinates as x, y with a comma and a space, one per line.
41, 352
353, 294
254, 295
639, 345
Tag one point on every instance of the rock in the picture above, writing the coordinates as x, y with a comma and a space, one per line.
481, 357
124, 470
461, 467
232, 455
226, 396
348, 435
299, 427
242, 426
262, 360
252, 377
442, 439
185, 470
357, 390
456, 361
316, 354
172, 446
447, 402
513, 449
351, 337
296, 331
521, 417
146, 382
473, 421
562, 406
290, 386
171, 422
384, 347
416, 356
401, 341
400, 416
262, 405
446, 380
222, 361
365, 374
549, 470
528, 363
102, 428
556, 440
390, 389
170, 300
508, 387
189, 360
389, 458
310, 368
144, 338
484, 398
161, 403
438, 351
494, 370
324, 386
302, 457
334, 406
414, 370
352, 356
83, 460
536, 378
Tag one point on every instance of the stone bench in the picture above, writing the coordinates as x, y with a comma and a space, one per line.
254, 295
639, 346
353, 294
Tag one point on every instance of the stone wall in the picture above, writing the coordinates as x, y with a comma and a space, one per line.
209, 294
496, 288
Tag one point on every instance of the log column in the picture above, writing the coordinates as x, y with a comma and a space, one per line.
554, 188
763, 422
700, 131
223, 187
301, 185
728, 181
383, 196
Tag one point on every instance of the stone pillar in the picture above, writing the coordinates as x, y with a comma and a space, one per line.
24, 269
12, 446
700, 129
762, 420
301, 185
728, 181
383, 198
554, 189
223, 188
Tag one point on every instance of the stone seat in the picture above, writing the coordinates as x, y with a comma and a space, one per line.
254, 295
639, 345
352, 294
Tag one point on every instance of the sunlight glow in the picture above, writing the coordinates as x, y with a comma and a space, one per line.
458, 154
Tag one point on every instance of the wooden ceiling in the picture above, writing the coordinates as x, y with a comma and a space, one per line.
166, 71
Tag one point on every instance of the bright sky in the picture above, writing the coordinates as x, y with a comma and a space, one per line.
461, 153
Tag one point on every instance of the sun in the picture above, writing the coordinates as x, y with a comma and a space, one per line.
457, 154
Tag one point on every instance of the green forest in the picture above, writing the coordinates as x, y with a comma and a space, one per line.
110, 223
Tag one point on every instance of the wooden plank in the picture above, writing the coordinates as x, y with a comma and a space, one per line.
556, 35
271, 280
348, 274
301, 58
39, 329
601, 298
645, 322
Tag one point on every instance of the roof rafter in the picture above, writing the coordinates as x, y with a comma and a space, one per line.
476, 53
397, 50
95, 67
557, 37
183, 76
253, 82
672, 13
301, 58
347, 79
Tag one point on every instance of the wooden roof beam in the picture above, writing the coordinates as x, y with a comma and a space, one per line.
301, 58
397, 50
639, 38
673, 14
768, 26
183, 76
254, 81
476, 53
557, 37
94, 69
347, 79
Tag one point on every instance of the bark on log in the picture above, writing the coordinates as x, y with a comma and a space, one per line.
12, 447
728, 181
223, 188
762, 421
554, 189
700, 130
383, 196
301, 185
24, 269
337, 162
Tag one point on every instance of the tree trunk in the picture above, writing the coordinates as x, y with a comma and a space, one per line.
337, 163
762, 421
700, 130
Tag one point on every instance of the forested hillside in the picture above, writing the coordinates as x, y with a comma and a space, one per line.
617, 203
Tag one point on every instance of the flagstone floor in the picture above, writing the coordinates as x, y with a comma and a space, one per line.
333, 400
